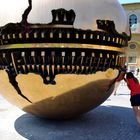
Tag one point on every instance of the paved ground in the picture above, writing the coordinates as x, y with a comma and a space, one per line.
113, 120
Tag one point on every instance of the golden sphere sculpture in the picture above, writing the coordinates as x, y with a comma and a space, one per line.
64, 67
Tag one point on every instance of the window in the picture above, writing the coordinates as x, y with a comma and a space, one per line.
132, 59
132, 69
132, 46
133, 20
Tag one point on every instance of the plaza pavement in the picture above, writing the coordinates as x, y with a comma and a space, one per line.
113, 120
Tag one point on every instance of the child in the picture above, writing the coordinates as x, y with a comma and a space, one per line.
134, 86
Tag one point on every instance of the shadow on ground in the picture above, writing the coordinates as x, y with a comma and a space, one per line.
102, 123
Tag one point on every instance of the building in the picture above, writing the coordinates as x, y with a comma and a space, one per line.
133, 49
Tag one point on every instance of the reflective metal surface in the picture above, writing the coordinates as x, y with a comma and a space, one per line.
71, 96
61, 58
87, 12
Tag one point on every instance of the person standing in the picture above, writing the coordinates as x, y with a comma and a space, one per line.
138, 71
134, 86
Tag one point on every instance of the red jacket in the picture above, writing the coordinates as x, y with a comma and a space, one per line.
133, 86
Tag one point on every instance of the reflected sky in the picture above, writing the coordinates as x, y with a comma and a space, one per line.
87, 12
128, 1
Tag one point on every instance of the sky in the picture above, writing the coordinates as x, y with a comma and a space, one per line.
128, 1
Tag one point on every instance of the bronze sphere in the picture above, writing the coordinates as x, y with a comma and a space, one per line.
66, 67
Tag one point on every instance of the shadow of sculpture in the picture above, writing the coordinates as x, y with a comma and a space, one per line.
104, 123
